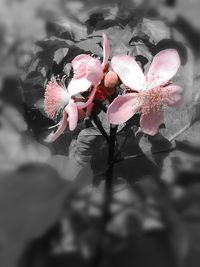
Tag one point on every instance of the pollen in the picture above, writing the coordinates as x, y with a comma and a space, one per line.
55, 98
154, 100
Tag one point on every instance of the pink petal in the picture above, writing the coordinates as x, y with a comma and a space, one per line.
94, 71
123, 108
163, 68
175, 95
89, 101
60, 130
79, 64
106, 50
150, 123
72, 111
77, 86
129, 72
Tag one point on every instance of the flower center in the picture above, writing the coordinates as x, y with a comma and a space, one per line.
56, 97
154, 100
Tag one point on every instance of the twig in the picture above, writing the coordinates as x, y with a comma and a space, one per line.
97, 260
100, 127
186, 127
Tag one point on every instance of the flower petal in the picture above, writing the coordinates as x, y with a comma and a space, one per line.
79, 64
106, 50
174, 95
94, 71
163, 68
77, 86
123, 108
63, 124
72, 111
150, 123
89, 101
129, 72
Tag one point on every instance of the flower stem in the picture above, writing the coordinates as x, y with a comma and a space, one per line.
100, 127
98, 258
111, 152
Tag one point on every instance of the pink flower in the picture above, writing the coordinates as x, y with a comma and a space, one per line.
88, 71
57, 98
150, 93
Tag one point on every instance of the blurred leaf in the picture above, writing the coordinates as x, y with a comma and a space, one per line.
70, 170
13, 135
58, 30
155, 148
87, 145
33, 88
91, 45
93, 20
39, 105
60, 54
119, 38
53, 50
195, 114
137, 208
70, 29
31, 199
53, 43
155, 29
182, 165
12, 119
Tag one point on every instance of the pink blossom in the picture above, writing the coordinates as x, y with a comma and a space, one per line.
58, 98
149, 93
55, 98
88, 70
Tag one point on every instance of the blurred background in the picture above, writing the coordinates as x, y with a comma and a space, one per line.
51, 196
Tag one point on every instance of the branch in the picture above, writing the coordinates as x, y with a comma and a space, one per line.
100, 127
97, 260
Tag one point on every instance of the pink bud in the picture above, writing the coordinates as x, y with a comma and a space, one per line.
111, 79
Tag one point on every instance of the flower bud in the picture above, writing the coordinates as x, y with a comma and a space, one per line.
111, 79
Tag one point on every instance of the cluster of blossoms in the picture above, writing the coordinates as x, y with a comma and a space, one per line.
143, 94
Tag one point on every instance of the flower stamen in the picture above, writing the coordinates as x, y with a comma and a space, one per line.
56, 97
154, 100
